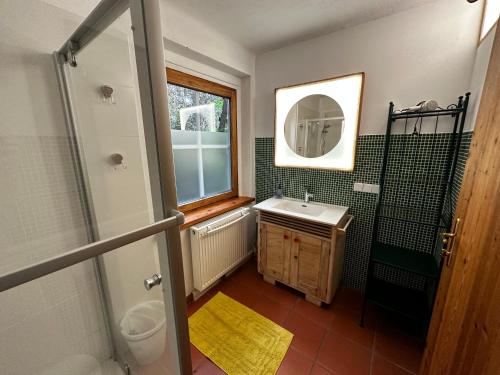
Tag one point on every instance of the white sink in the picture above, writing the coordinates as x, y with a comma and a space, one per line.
300, 207
318, 212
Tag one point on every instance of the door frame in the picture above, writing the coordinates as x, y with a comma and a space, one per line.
464, 334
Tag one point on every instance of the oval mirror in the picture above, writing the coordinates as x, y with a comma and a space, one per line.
314, 126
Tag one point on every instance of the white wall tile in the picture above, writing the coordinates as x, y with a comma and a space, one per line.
43, 321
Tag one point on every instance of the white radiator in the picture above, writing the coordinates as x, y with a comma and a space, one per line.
219, 245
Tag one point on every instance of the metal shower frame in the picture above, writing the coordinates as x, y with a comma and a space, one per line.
150, 63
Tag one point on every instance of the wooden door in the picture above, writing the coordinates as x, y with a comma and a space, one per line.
464, 335
275, 252
309, 264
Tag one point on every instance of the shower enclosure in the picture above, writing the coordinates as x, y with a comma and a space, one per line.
88, 202
311, 135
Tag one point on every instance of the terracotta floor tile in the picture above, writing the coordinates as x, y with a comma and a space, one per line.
250, 266
346, 323
195, 305
280, 293
319, 315
380, 366
271, 309
208, 368
246, 277
344, 357
308, 336
295, 363
341, 350
197, 357
240, 293
351, 299
373, 315
251, 278
388, 321
320, 370
399, 348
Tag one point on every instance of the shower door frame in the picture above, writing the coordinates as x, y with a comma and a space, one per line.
149, 55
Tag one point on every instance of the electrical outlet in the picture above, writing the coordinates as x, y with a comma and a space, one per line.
358, 186
367, 188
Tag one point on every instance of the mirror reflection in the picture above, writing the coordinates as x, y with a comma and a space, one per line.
314, 125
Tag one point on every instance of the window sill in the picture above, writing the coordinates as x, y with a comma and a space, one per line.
200, 214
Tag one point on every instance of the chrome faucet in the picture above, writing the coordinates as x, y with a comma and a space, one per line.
308, 196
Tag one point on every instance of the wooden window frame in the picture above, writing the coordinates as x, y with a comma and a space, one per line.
189, 81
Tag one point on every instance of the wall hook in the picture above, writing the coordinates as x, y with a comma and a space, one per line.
117, 160
107, 94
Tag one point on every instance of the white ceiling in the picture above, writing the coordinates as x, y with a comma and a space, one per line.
263, 25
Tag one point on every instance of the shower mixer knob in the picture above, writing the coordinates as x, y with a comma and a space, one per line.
152, 281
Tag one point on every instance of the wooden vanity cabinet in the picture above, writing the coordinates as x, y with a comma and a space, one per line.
309, 265
277, 243
305, 255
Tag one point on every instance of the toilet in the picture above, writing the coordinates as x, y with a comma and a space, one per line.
143, 328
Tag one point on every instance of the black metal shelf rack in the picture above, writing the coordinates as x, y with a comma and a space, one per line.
414, 207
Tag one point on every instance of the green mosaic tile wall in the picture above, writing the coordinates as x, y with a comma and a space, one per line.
337, 188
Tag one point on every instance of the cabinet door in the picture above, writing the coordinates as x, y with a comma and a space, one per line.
309, 265
275, 252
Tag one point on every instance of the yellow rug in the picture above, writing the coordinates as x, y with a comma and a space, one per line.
237, 339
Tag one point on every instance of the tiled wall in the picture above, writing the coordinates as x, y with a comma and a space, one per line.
337, 188
463, 154
41, 212
46, 320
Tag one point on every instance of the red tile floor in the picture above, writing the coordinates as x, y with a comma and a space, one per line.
327, 340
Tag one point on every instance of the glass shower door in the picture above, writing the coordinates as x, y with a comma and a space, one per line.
112, 82
120, 143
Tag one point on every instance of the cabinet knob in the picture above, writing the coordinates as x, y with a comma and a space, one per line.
285, 237
295, 240
295, 257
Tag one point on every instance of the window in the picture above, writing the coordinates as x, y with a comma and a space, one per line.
491, 12
203, 125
